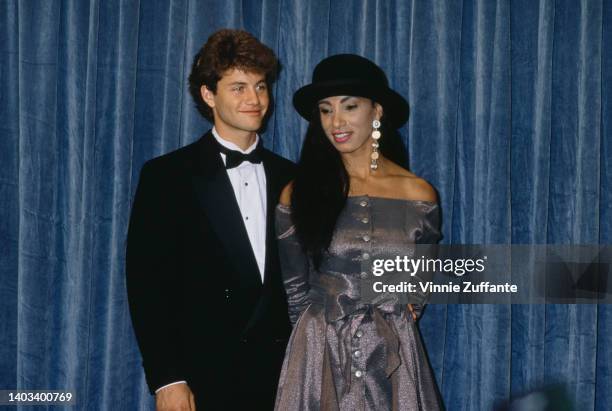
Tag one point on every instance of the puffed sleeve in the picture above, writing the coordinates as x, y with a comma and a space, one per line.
294, 264
430, 229
429, 234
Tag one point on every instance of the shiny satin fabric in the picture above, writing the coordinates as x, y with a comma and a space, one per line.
344, 354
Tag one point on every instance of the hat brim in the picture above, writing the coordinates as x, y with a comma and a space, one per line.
395, 107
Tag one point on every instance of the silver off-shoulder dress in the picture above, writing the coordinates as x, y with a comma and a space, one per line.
344, 354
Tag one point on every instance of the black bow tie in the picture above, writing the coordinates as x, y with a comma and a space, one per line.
234, 158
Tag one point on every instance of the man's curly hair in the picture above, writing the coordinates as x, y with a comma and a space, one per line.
228, 49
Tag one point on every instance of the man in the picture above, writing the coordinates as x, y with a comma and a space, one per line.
203, 277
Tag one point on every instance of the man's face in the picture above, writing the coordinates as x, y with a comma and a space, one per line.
240, 103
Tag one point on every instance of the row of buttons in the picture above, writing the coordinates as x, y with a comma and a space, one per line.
366, 238
246, 185
357, 353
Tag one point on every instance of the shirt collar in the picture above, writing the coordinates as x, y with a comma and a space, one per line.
232, 146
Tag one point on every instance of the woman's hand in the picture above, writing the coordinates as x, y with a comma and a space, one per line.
412, 312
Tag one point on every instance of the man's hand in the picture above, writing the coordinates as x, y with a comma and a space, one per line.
177, 397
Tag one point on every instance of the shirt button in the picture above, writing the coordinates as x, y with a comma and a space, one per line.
363, 203
357, 353
365, 220
358, 373
364, 274
359, 334
366, 256
366, 238
246, 184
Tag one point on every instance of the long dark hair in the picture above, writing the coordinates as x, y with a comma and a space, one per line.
321, 185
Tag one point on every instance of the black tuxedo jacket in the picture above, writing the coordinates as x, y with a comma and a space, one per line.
199, 309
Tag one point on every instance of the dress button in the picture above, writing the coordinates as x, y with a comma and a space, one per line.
366, 256
366, 238
359, 334
363, 203
357, 353
365, 220
358, 373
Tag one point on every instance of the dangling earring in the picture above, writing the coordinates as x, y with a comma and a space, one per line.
376, 136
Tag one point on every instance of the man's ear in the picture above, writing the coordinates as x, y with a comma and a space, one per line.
208, 96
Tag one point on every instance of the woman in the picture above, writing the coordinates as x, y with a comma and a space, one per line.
350, 203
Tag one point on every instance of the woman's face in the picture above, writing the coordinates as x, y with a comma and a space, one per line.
347, 121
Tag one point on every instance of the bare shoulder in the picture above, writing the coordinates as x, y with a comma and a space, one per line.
409, 186
285, 197
416, 188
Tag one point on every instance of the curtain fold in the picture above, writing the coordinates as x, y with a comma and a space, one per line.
603, 384
510, 121
532, 28
9, 192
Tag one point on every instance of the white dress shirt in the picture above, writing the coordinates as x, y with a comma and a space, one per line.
249, 183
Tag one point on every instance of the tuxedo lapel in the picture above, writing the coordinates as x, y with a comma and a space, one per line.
217, 200
273, 187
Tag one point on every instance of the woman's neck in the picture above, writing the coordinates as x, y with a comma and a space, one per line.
358, 164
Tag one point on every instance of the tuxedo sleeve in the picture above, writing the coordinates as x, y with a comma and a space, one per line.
151, 277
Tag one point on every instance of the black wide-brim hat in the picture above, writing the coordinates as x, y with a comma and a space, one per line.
351, 75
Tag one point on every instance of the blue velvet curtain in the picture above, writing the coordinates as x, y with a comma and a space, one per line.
510, 120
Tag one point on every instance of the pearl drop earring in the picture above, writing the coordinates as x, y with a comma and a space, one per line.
375, 136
